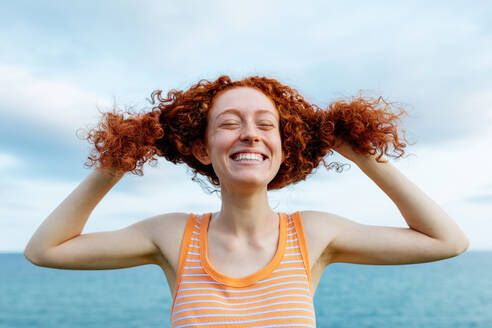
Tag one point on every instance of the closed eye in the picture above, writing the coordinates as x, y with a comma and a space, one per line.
229, 124
263, 126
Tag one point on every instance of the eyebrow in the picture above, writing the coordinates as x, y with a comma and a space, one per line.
234, 110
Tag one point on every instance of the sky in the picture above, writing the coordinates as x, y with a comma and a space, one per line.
62, 63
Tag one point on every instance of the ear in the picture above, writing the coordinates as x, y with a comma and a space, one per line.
200, 152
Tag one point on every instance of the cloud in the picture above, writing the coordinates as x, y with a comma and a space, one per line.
9, 161
434, 61
53, 104
483, 198
326, 50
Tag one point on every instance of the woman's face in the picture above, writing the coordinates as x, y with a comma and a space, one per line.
243, 121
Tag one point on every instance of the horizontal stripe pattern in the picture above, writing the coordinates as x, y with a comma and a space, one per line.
281, 299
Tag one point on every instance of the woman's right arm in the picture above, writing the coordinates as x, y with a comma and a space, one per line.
58, 242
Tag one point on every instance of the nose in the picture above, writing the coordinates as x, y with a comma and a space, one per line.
249, 133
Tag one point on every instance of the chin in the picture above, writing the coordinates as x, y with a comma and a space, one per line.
251, 183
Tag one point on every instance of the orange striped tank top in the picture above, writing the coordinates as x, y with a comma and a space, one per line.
278, 295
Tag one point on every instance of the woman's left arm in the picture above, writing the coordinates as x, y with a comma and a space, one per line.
433, 235
419, 211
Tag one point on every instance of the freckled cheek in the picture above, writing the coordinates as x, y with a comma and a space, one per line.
220, 147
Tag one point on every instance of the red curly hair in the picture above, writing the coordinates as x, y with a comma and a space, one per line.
308, 132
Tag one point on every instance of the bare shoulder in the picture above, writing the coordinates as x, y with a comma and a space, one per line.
320, 223
167, 232
320, 228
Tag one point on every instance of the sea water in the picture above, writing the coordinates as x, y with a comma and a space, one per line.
455, 292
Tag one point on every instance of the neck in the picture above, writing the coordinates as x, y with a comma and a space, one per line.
245, 215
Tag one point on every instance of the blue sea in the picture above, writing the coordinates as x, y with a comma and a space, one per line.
455, 292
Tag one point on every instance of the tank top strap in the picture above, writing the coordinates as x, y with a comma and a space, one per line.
190, 240
301, 240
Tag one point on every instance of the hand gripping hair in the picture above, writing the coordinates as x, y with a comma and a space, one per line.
308, 132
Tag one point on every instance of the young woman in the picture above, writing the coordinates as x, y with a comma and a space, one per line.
245, 265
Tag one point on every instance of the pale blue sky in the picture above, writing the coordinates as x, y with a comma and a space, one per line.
60, 61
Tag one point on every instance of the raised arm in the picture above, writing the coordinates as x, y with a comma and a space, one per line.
432, 235
58, 241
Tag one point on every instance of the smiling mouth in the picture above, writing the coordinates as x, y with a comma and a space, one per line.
235, 158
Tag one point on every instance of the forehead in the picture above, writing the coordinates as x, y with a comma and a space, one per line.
242, 100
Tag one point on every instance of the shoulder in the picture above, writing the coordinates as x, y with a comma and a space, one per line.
320, 228
169, 226
168, 221
323, 222
314, 220
167, 232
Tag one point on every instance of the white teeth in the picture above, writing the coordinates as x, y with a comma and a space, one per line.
248, 156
